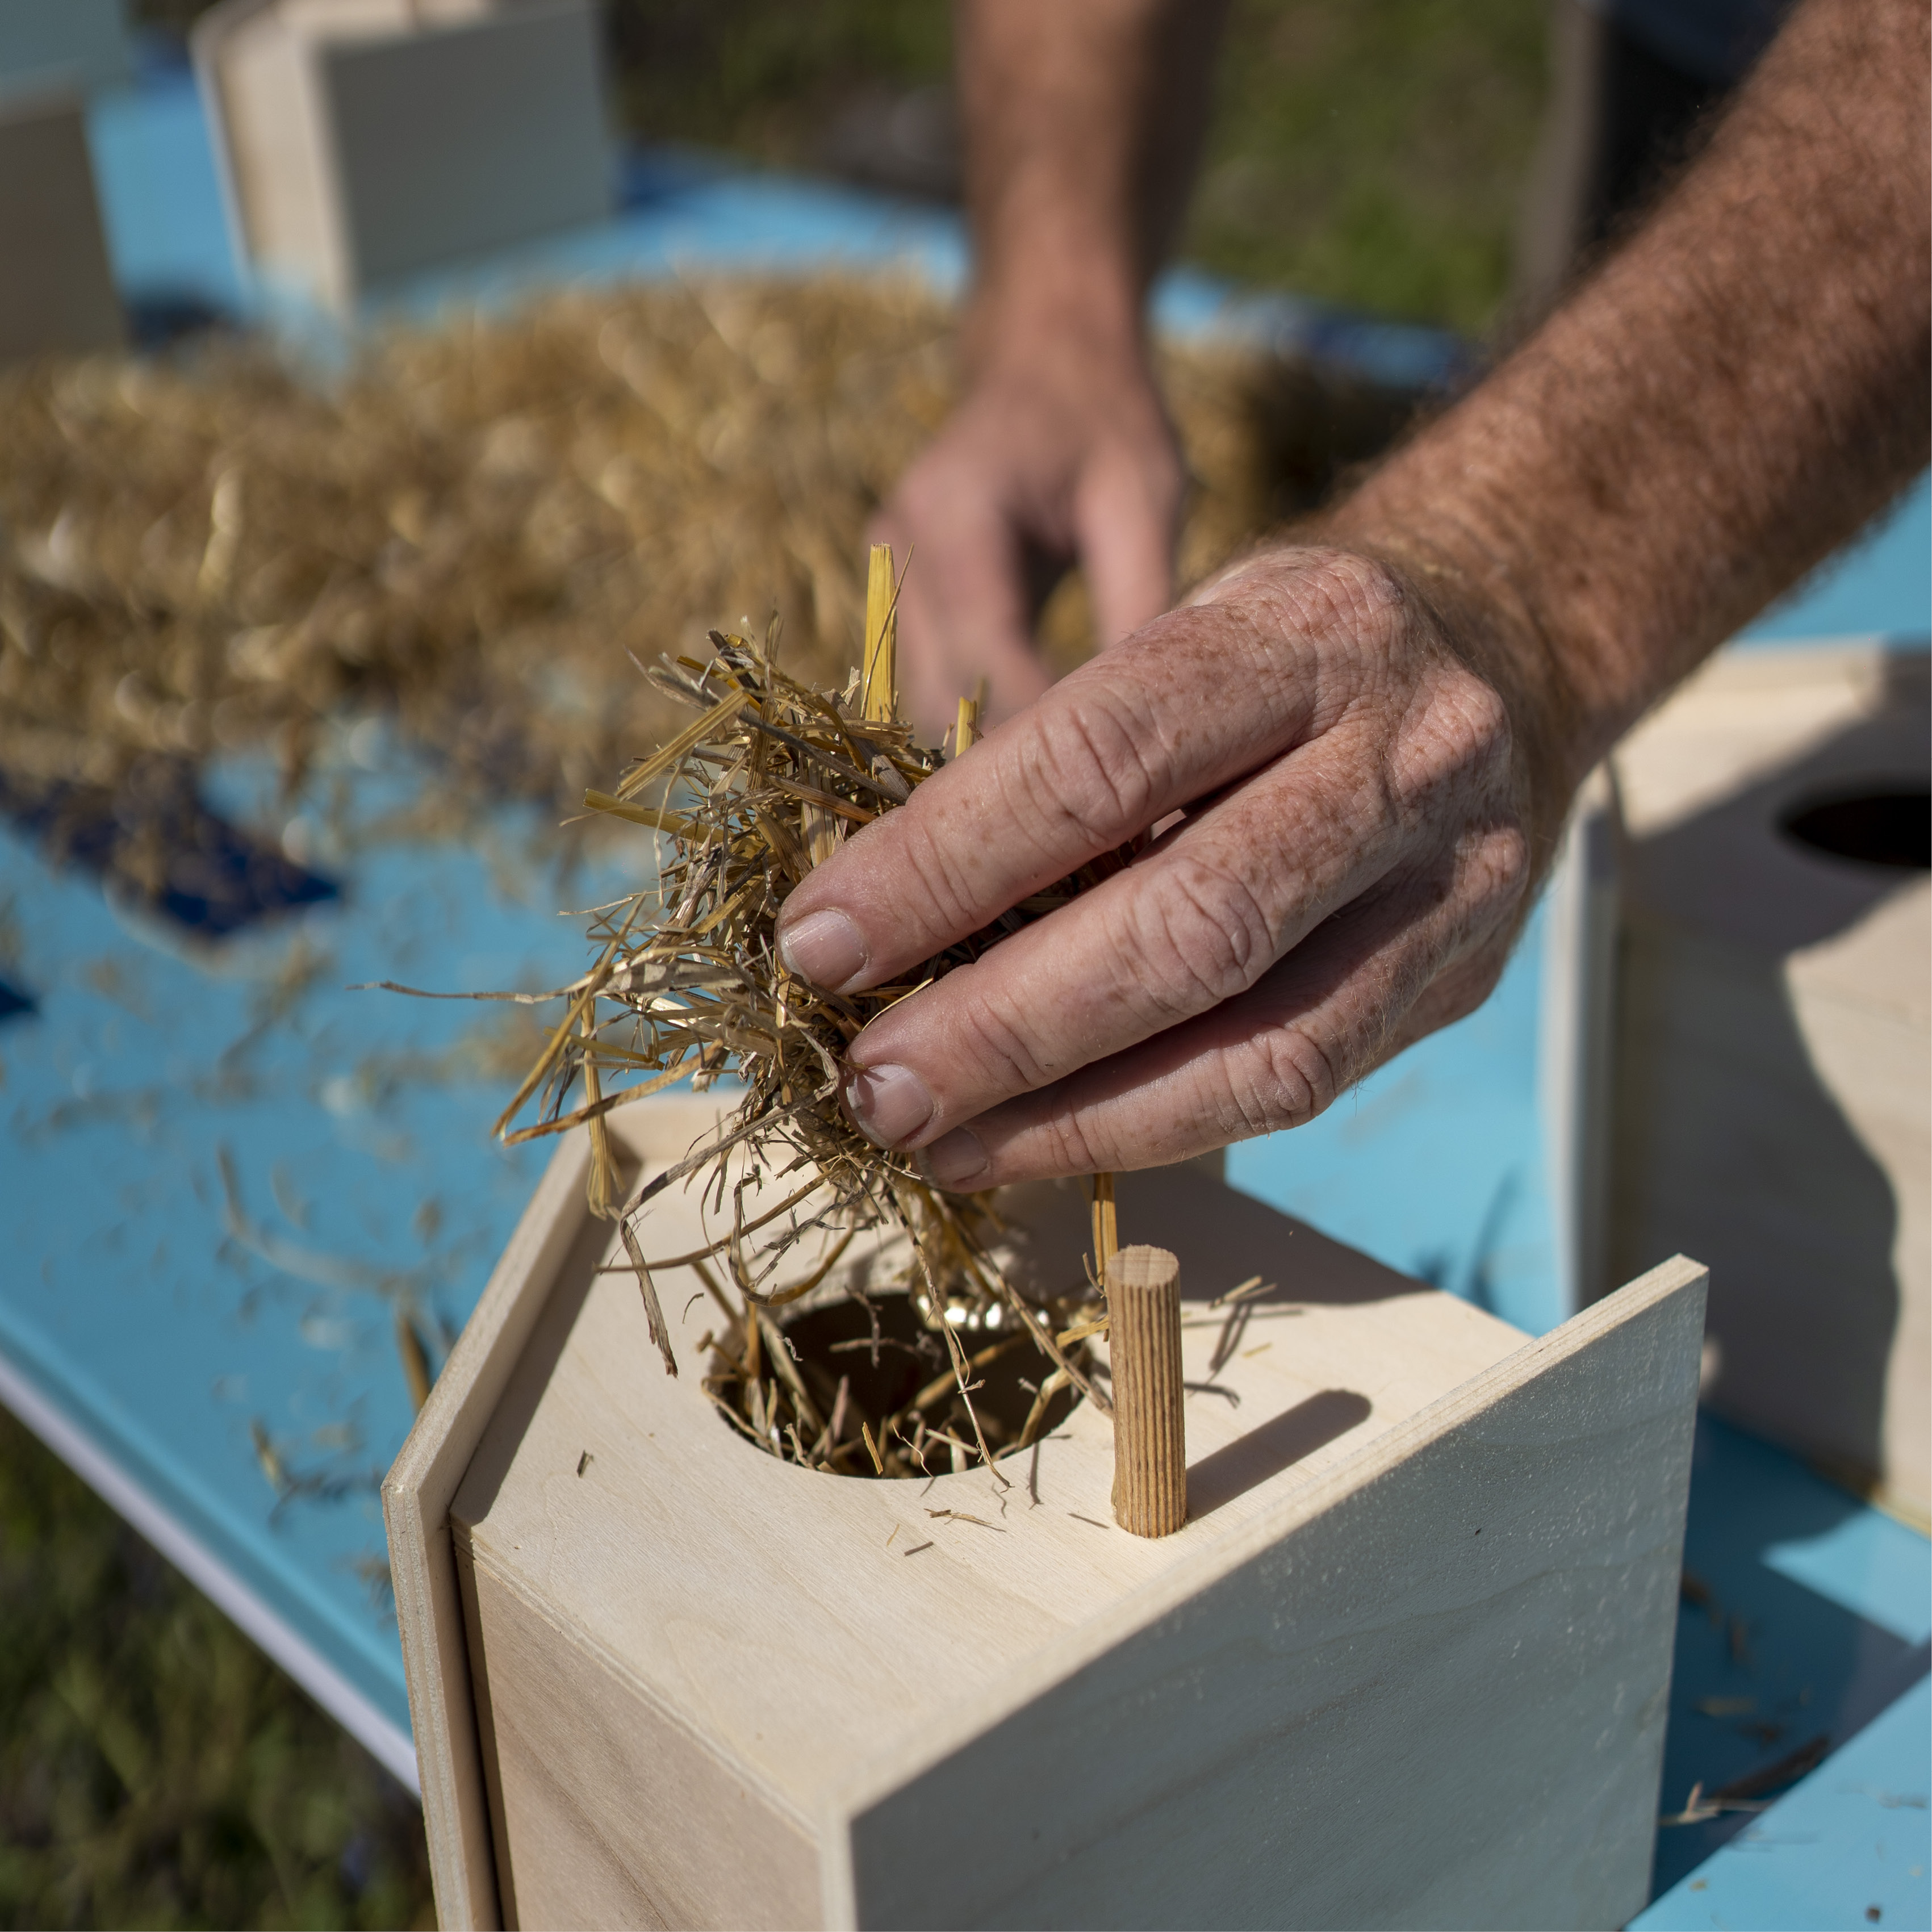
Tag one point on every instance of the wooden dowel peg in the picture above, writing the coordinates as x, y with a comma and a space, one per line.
1149, 1428
878, 688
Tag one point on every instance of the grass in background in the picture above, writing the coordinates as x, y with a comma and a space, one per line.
155, 1768
765, 78
1372, 152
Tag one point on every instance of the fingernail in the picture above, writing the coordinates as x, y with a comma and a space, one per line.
827, 948
890, 1103
955, 1160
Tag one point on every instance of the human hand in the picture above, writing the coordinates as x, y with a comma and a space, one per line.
1361, 803
1061, 450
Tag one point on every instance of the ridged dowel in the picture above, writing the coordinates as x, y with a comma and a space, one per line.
1149, 1431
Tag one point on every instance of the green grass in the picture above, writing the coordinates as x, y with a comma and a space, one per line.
1373, 152
1368, 152
155, 1768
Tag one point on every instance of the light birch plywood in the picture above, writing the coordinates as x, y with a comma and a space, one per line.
419, 1489
713, 1689
1774, 1057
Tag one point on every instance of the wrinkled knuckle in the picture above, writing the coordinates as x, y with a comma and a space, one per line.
1506, 862
998, 1045
1304, 1077
1472, 722
1087, 769
1461, 742
1285, 1080
944, 894
1363, 593
1212, 937
1071, 1149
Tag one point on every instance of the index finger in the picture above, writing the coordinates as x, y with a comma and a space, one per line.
1194, 701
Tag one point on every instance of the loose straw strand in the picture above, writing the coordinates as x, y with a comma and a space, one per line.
1106, 1232
879, 688
966, 729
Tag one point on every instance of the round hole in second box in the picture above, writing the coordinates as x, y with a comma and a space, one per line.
1877, 825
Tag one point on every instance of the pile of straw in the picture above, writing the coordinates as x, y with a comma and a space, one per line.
470, 526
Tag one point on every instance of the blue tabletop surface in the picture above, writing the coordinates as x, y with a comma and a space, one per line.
1803, 1630
224, 1175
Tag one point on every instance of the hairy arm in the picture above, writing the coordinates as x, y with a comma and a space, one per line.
1729, 398
1373, 736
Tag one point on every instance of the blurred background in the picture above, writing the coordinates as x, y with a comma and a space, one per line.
327, 522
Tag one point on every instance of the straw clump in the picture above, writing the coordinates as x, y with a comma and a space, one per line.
768, 778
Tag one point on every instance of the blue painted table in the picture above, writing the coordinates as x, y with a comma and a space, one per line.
225, 1178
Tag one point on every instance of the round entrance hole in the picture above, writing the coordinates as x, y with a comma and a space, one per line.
1886, 825
899, 1387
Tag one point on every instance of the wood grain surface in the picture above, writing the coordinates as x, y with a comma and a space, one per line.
718, 1689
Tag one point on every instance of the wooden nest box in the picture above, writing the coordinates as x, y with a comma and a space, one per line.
363, 140
1406, 1663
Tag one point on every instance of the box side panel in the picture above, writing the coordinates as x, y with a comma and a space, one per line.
1732, 1136
415, 1507
502, 1874
466, 138
607, 1812
56, 292
269, 112
1772, 1097
1441, 1702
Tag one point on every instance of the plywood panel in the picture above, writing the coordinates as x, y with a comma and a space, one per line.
1774, 1108
416, 1496
467, 137
607, 1811
364, 140
1469, 1633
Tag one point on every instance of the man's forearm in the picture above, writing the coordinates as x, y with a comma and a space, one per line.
1084, 120
1723, 404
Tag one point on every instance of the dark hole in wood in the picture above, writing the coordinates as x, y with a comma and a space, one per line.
835, 1340
15, 1003
1889, 826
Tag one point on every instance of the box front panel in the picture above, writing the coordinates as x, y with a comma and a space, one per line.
1440, 1702
605, 1811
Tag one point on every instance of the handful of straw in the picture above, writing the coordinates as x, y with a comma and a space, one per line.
768, 779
